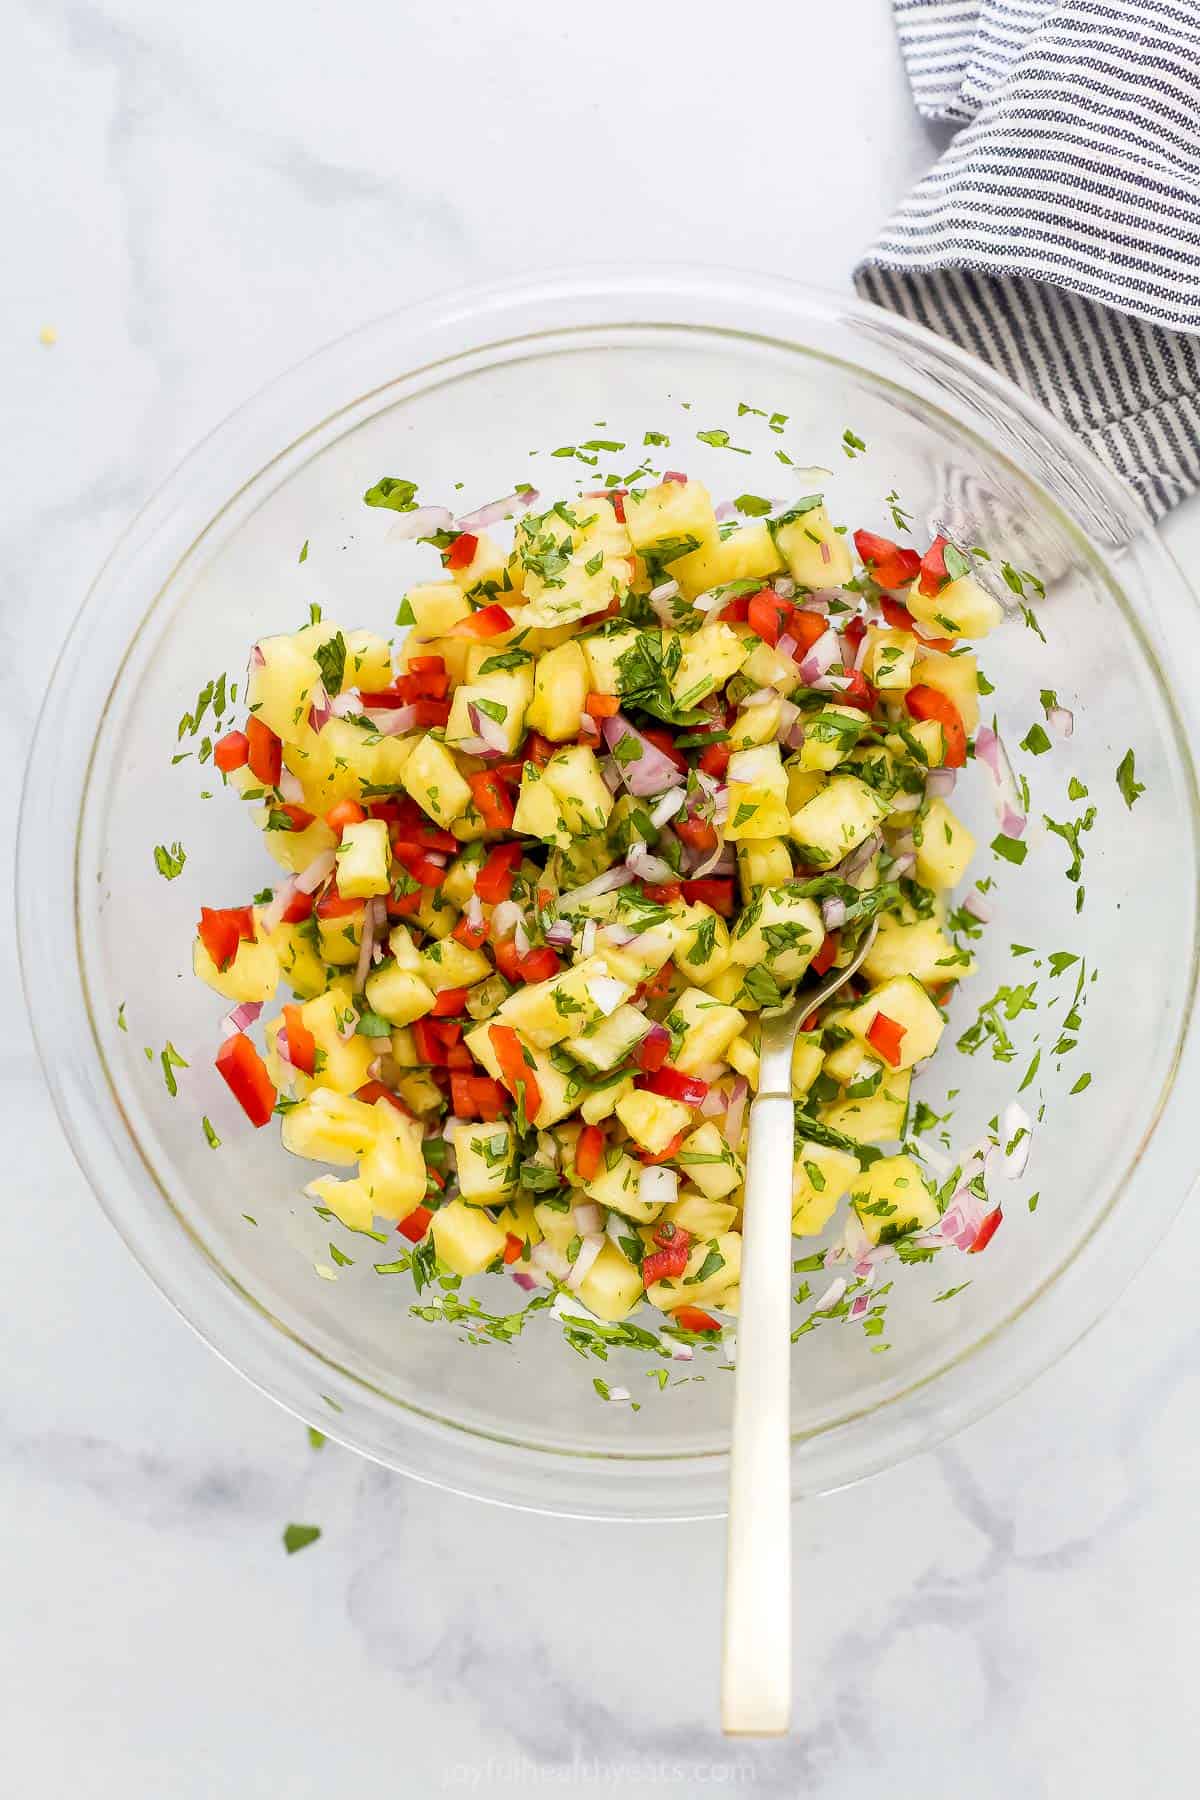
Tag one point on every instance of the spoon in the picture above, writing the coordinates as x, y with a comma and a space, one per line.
756, 1675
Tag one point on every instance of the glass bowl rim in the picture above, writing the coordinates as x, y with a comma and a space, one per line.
540, 305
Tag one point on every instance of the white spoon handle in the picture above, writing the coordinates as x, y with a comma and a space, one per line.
756, 1680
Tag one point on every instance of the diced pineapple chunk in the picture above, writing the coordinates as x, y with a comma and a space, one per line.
651, 1119
329, 1127
281, 685
501, 698
803, 785
571, 562
465, 1239
363, 860
920, 948
906, 1003
747, 554
538, 812
829, 737
757, 794
340, 935
701, 1216
294, 850
703, 950
876, 1117
617, 1187
955, 676
431, 776
574, 777
662, 519
762, 862
607, 1042
962, 608
299, 964
601, 1103
893, 1197
706, 1029
559, 1091
450, 964
820, 1177
612, 1286
888, 660
392, 1171
397, 995
342, 1063
560, 687
252, 975
944, 847
806, 1063
709, 659
710, 1163
348, 1201
743, 1057
604, 653
436, 607
817, 556
836, 821
546, 1012
756, 725
687, 1290
487, 1170
368, 662
781, 930
486, 576
644, 955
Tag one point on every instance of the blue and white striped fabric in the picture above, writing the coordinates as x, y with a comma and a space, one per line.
1059, 236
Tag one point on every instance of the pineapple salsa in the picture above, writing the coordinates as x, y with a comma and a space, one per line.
626, 784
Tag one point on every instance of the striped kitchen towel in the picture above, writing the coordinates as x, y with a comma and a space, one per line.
1059, 236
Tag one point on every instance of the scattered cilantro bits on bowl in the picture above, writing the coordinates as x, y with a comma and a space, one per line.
619, 786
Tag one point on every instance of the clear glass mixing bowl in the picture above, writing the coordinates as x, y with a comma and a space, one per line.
481, 389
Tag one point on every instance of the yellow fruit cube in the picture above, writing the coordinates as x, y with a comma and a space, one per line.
835, 821
465, 1239
893, 1197
703, 949
329, 1127
617, 1187
560, 687
252, 975
487, 1169
816, 554
397, 995
707, 1029
710, 1163
281, 685
829, 737
955, 676
962, 608
905, 1002
944, 847
722, 1255
747, 554
363, 860
709, 659
820, 1177
612, 1286
662, 519
889, 658
431, 777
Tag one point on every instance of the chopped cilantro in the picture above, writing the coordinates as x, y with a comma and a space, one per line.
298, 1537
1130, 787
393, 492
169, 862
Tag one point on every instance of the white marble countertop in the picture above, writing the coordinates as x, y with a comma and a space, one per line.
193, 200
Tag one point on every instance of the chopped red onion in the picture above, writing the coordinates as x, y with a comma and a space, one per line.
939, 783
833, 912
422, 522
243, 1016
272, 913
607, 993
474, 912
645, 865
506, 918
283, 1049
371, 925
717, 854
820, 657
496, 510
789, 718
762, 696
589, 1250
589, 728
492, 731
714, 1103
990, 751
784, 586
1060, 720
318, 870
725, 509
667, 807
523, 1281
319, 710
787, 646
393, 721
651, 771
345, 702
658, 1185
860, 857
832, 1295
521, 943
904, 863
618, 935
545, 1256
559, 934
617, 877
826, 552
736, 1112
978, 907
587, 937
588, 1217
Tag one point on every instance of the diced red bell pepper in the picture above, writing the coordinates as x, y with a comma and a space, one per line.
653, 1051
664, 1155
421, 867
478, 1097
470, 935
245, 1074
662, 740
827, 954
301, 1044
667, 1235
539, 749
264, 752
673, 1084
451, 1003
664, 893
934, 575
402, 906
767, 615
666, 1264
346, 812
488, 622
714, 760
299, 816
694, 1318
900, 619
658, 986
854, 631
371, 1091
540, 965
890, 564
986, 1232
408, 825
513, 1246
493, 800
514, 1070
602, 706
589, 1152
735, 611
716, 892
675, 475
231, 752
223, 928
884, 1035
615, 495
697, 834
416, 1224
300, 906
930, 703
494, 881
508, 959
858, 692
805, 628
333, 906
461, 553
430, 713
